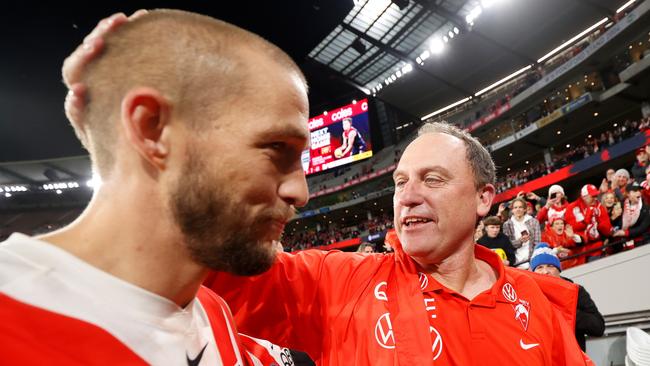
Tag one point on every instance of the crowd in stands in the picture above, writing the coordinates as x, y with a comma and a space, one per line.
563, 157
332, 233
613, 211
511, 89
335, 232
352, 192
588, 222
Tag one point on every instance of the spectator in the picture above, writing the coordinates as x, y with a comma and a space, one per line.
638, 169
366, 248
561, 237
530, 209
589, 321
614, 209
479, 231
621, 179
589, 219
645, 185
391, 237
555, 207
493, 238
636, 217
523, 231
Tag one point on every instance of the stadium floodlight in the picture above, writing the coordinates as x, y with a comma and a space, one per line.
456, 30
505, 79
452, 105
436, 46
407, 68
425, 55
625, 6
573, 39
487, 3
451, 34
445, 38
398, 73
7, 194
473, 14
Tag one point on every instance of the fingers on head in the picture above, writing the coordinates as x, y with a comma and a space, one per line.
74, 64
75, 102
138, 13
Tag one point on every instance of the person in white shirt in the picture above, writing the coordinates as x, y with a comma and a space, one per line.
523, 230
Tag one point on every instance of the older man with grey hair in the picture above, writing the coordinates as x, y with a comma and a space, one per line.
621, 179
439, 298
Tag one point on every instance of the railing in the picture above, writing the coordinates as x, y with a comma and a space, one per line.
590, 251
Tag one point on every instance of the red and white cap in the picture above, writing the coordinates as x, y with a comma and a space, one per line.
589, 190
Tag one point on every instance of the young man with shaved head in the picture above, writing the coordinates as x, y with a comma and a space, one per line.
438, 299
181, 127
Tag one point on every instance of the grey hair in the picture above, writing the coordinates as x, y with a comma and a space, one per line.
476, 154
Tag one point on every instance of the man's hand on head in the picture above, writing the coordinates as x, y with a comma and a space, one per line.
74, 65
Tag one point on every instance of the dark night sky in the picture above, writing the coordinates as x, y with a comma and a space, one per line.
35, 37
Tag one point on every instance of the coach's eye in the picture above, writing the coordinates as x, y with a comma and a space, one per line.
432, 180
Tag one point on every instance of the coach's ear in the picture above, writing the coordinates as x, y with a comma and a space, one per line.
484, 197
145, 115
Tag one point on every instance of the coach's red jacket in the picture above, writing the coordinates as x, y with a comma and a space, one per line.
350, 309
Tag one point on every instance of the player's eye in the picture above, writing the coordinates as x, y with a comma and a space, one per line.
278, 145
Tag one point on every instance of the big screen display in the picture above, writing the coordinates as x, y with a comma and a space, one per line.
338, 137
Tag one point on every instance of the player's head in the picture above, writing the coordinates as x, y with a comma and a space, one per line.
444, 181
213, 118
347, 123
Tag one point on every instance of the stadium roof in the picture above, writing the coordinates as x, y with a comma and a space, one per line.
423, 55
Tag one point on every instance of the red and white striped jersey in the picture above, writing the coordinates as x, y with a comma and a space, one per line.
57, 309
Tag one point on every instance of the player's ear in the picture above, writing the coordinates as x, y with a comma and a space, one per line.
145, 116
